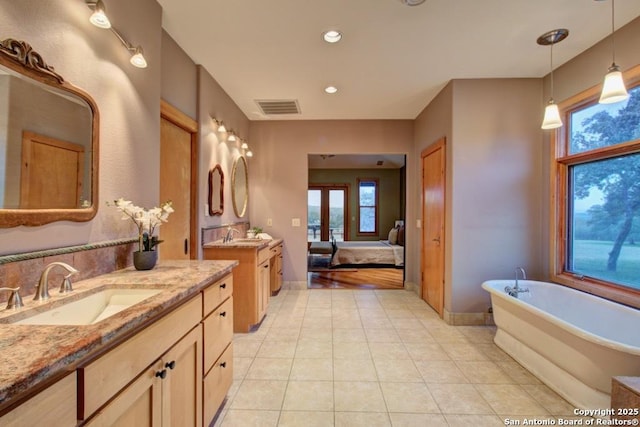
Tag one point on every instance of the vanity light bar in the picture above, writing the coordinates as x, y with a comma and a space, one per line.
99, 19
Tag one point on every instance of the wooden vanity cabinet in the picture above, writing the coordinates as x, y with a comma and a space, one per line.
276, 268
55, 406
251, 282
218, 314
166, 394
152, 378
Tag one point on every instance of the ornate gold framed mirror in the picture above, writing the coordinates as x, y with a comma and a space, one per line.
51, 147
216, 191
240, 186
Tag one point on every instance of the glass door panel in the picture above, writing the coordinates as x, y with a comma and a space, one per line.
314, 215
337, 213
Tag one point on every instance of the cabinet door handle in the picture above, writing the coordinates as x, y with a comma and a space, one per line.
223, 286
170, 365
223, 314
223, 364
162, 374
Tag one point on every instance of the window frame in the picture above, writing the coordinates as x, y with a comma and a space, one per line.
376, 183
559, 203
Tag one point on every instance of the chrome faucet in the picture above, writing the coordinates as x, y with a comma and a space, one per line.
229, 236
516, 289
14, 300
42, 292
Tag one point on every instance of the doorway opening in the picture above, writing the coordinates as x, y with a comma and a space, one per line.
355, 211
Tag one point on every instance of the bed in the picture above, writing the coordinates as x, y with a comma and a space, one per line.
380, 252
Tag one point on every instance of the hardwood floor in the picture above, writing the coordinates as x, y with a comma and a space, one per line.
361, 278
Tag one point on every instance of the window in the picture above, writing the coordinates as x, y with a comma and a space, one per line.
368, 206
596, 178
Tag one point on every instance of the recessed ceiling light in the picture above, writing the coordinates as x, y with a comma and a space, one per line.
331, 89
412, 2
332, 36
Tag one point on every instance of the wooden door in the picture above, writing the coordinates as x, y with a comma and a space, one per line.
182, 387
433, 205
52, 172
178, 178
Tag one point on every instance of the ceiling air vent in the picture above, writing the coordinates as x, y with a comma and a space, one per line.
278, 106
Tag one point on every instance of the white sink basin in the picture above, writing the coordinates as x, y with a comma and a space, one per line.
90, 309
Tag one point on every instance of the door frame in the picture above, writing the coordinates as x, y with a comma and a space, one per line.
180, 119
439, 144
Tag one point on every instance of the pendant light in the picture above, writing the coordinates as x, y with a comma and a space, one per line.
552, 118
613, 89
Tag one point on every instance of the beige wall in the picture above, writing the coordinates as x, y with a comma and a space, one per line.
493, 181
179, 77
497, 186
215, 149
278, 173
127, 98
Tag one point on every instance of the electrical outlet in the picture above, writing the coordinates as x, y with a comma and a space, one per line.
269, 222
295, 222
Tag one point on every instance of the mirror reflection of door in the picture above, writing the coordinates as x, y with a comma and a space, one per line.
52, 172
327, 212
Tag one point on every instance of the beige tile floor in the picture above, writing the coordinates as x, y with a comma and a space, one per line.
376, 358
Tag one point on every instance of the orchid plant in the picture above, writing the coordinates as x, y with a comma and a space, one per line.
145, 220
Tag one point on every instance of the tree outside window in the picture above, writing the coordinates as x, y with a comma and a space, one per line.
598, 169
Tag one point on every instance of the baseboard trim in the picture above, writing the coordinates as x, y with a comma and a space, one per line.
467, 319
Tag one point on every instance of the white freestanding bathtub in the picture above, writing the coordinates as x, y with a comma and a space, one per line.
572, 341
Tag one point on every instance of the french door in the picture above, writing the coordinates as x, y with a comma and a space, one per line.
327, 212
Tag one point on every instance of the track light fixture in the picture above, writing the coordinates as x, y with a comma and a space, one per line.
99, 19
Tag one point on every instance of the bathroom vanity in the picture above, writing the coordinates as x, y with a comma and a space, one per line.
260, 260
166, 360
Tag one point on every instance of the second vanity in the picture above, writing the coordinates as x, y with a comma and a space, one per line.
258, 275
166, 360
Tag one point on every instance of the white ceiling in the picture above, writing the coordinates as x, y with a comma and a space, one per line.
393, 59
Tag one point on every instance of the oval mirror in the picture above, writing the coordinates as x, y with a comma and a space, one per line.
216, 191
239, 186
49, 145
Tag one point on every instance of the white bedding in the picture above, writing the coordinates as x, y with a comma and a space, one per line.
370, 252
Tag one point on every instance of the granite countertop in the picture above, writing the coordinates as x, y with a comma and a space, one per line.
243, 243
32, 354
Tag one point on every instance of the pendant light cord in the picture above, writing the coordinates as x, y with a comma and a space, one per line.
551, 67
613, 30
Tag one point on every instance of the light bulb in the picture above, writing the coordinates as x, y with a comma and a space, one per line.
99, 16
137, 59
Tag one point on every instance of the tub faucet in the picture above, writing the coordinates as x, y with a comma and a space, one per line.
42, 292
516, 289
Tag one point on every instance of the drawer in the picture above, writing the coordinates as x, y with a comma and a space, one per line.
217, 383
216, 293
102, 378
217, 332
263, 255
276, 250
